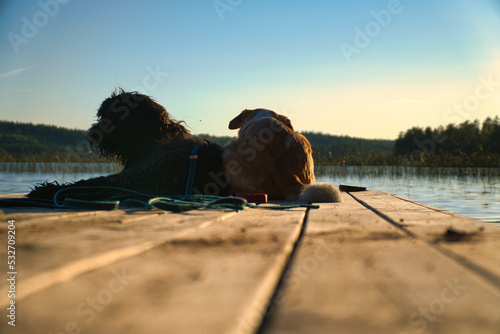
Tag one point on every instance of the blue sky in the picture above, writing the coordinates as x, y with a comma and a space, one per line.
364, 68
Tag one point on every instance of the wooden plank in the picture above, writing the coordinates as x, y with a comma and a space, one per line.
46, 256
213, 280
34, 215
16, 195
356, 273
473, 244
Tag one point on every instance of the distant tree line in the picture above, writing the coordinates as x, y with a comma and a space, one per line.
25, 142
47, 143
340, 150
345, 150
466, 144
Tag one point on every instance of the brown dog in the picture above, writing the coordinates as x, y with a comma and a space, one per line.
270, 157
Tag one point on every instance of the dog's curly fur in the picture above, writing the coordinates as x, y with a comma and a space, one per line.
130, 126
153, 148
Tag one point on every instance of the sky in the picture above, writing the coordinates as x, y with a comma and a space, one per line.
362, 68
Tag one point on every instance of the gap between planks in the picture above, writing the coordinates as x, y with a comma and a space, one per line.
371, 277
257, 312
73, 269
247, 303
486, 277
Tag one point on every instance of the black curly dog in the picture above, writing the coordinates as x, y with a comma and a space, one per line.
154, 149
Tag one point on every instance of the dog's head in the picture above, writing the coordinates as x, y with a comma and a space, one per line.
247, 116
129, 125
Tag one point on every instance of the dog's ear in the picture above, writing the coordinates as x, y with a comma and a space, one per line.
285, 121
237, 122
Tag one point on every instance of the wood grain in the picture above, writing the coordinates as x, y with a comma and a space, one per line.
375, 263
215, 279
354, 272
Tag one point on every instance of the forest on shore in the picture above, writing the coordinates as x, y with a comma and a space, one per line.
469, 144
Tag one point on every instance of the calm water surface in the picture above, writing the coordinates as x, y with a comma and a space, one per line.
20, 177
473, 192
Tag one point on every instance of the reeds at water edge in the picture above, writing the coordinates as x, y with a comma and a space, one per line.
59, 167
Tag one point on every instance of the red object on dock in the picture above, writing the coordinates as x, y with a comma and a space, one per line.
253, 198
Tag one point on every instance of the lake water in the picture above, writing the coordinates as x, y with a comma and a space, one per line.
20, 177
473, 192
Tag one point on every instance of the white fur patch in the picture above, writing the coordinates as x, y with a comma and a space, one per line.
260, 114
320, 193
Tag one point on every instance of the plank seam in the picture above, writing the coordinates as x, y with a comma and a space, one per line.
488, 278
267, 315
71, 270
384, 216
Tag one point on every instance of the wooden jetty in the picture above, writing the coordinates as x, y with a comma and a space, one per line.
375, 263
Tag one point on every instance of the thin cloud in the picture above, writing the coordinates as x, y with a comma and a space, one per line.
14, 72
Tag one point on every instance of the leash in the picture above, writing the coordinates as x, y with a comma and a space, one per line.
121, 197
114, 198
192, 170
126, 198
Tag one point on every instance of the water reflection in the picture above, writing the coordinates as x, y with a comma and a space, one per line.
19, 177
474, 192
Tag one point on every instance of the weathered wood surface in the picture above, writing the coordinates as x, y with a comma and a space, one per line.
375, 263
379, 267
133, 272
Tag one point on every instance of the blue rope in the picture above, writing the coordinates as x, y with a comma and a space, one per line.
192, 171
113, 197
